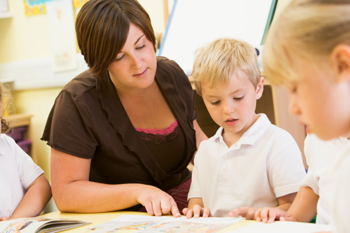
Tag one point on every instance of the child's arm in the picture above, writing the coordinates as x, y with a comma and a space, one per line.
37, 195
196, 209
303, 208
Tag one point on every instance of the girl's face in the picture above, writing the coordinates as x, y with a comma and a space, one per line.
321, 100
135, 65
232, 106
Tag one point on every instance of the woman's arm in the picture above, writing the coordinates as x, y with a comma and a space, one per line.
37, 195
73, 192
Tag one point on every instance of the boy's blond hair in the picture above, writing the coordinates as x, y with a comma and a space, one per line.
215, 63
307, 30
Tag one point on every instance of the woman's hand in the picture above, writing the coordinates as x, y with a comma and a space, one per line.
157, 202
196, 212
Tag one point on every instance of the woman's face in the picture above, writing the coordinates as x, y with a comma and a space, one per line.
135, 65
321, 100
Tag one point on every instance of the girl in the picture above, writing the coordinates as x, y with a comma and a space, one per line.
308, 51
24, 189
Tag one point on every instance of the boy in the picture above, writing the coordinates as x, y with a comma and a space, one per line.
249, 163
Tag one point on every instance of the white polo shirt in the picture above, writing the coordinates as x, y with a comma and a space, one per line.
320, 156
264, 164
341, 201
17, 172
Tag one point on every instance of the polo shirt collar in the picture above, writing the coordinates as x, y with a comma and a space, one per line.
251, 135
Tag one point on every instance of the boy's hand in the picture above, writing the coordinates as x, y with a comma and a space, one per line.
196, 212
245, 212
269, 215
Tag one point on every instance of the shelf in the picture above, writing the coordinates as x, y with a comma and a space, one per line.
18, 120
5, 15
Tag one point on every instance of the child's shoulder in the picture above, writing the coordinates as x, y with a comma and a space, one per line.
6, 140
267, 131
279, 132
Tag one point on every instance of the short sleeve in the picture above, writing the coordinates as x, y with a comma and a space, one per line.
286, 169
310, 180
340, 220
27, 170
69, 127
195, 191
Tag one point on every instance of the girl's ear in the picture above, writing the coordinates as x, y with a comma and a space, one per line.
260, 88
340, 59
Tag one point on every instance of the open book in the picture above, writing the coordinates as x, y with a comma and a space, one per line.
137, 223
39, 224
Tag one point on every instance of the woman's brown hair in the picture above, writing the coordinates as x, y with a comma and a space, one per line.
102, 28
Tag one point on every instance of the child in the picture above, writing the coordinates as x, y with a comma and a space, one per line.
308, 51
317, 191
249, 163
24, 189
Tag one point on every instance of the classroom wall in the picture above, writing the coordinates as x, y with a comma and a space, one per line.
26, 38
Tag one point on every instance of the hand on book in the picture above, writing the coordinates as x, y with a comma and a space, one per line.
196, 212
269, 215
157, 202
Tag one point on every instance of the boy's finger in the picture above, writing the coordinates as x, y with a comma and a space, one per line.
206, 212
239, 211
189, 214
197, 211
272, 216
184, 211
264, 215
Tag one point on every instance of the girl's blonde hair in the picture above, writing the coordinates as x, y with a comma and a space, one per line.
307, 30
6, 102
215, 63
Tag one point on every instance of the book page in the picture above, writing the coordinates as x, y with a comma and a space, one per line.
285, 227
136, 223
38, 224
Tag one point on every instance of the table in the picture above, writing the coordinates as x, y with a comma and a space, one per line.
98, 218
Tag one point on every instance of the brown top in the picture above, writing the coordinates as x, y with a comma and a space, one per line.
88, 121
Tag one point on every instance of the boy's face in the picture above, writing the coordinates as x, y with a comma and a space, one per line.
321, 101
232, 106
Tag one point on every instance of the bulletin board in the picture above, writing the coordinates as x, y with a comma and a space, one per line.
194, 23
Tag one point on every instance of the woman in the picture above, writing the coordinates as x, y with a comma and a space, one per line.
123, 132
